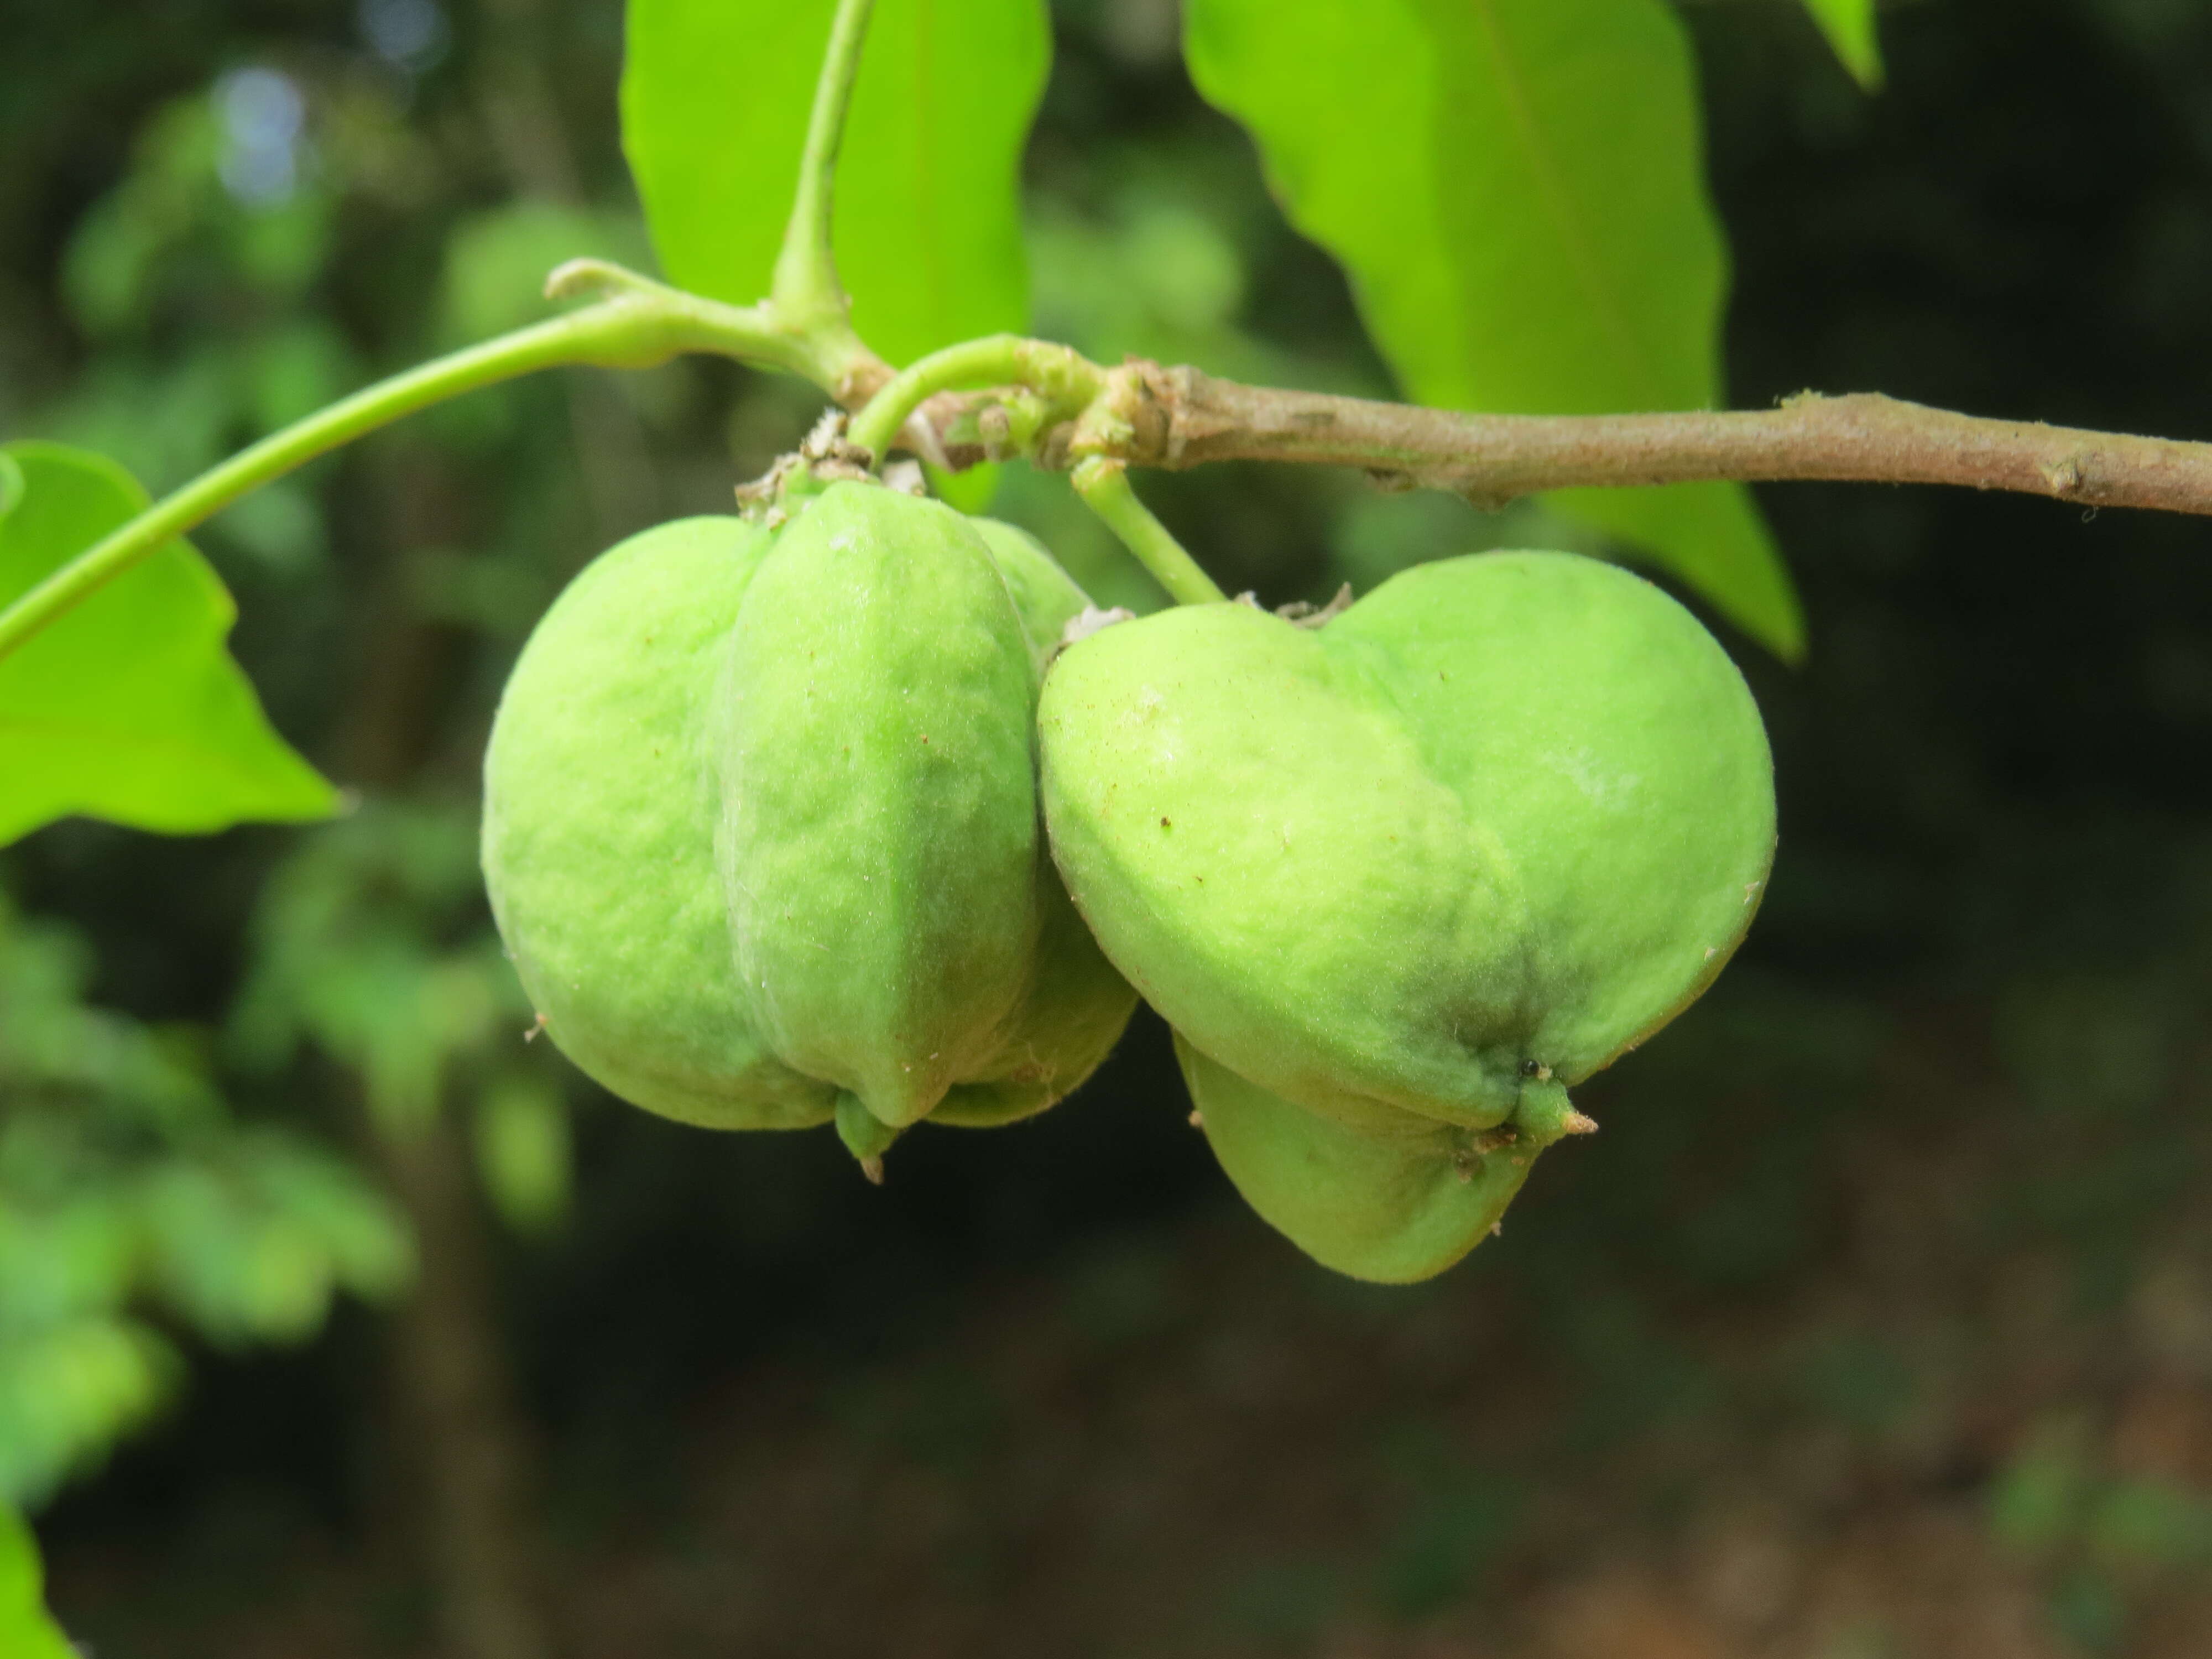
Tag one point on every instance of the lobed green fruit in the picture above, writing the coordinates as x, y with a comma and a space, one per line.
1398, 880
761, 827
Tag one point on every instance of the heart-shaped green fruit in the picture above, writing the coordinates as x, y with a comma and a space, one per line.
1409, 872
761, 827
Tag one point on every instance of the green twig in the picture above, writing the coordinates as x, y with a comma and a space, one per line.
806, 292
640, 324
1066, 381
1103, 484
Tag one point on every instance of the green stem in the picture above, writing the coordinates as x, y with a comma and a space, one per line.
1103, 484
1066, 379
639, 325
805, 291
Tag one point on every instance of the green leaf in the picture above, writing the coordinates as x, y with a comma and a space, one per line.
26, 1632
496, 263
1849, 27
69, 1392
715, 99
523, 1151
1515, 188
128, 708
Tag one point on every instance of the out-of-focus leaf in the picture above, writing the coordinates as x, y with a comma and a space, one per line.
1849, 27
67, 1392
2138, 1523
353, 1224
716, 95
125, 1184
60, 1263
523, 1151
129, 708
281, 526
27, 1630
2037, 1500
351, 956
1515, 188
496, 263
291, 372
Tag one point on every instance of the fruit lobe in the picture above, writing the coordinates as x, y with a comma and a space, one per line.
760, 828
598, 848
1412, 871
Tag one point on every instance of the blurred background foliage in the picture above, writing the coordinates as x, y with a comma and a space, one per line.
1878, 1321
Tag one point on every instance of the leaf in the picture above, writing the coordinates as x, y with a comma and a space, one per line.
128, 708
522, 1152
1849, 27
26, 1631
1515, 189
496, 263
69, 1392
714, 100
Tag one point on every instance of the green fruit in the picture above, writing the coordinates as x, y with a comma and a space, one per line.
761, 827
599, 841
1409, 873
1399, 1200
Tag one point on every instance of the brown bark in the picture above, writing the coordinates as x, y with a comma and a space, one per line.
466, 1455
1862, 437
1181, 418
455, 1402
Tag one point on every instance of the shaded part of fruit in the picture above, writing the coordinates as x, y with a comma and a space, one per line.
1394, 1203
1074, 1012
879, 840
599, 834
1044, 595
1508, 809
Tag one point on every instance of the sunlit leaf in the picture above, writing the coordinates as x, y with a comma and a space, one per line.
1515, 188
26, 1631
129, 708
716, 95
1849, 27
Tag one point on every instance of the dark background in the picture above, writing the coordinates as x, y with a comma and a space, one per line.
1878, 1321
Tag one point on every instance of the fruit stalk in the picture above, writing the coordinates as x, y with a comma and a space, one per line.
1104, 486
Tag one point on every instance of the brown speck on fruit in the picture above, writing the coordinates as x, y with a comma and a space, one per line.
1197, 1119
1164, 824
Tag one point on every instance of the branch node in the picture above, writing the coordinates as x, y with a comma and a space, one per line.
2065, 475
